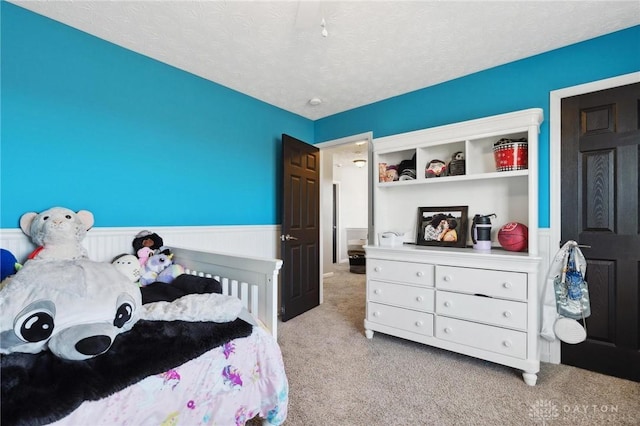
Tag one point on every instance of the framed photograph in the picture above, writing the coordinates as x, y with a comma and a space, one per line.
442, 226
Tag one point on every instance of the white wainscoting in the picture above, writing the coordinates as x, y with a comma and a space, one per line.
103, 244
549, 351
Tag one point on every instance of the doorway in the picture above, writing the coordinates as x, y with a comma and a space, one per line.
328, 150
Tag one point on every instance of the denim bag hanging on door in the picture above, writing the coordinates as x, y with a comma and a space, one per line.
572, 294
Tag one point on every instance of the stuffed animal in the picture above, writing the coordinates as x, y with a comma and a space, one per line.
160, 267
75, 308
129, 265
58, 232
144, 254
8, 264
151, 240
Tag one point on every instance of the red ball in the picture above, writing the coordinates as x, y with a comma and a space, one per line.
513, 236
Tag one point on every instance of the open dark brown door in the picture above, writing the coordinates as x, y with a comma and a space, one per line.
300, 247
600, 209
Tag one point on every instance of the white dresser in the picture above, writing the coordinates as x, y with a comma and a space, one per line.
482, 305
479, 303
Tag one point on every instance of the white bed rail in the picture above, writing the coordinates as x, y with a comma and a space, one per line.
253, 280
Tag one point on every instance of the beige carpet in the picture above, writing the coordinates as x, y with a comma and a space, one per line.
339, 377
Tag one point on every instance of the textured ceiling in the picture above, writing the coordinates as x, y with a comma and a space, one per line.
274, 50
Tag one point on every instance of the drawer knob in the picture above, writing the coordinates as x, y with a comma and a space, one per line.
418, 323
377, 291
419, 273
419, 298
507, 314
447, 330
506, 285
447, 278
377, 269
377, 314
506, 344
447, 304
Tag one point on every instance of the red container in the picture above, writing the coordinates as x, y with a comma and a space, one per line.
510, 155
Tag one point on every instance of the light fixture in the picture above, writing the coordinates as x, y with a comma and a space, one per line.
315, 101
360, 162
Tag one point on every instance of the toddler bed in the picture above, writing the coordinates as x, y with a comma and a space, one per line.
215, 382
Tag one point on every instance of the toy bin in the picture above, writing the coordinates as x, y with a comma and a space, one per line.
511, 154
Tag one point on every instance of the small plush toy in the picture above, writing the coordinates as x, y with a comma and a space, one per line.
8, 264
58, 232
160, 267
129, 265
144, 254
148, 239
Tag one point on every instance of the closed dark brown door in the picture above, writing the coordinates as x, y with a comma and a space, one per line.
600, 208
300, 246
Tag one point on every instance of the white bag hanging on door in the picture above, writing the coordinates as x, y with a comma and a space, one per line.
568, 267
572, 294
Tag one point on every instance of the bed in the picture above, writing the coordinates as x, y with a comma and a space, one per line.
228, 383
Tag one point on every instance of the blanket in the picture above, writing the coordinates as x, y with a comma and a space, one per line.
42, 388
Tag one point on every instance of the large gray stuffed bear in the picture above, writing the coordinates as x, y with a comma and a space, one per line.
58, 232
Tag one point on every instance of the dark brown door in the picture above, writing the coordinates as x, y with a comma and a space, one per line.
300, 237
600, 208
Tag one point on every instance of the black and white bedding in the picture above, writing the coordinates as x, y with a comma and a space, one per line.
149, 366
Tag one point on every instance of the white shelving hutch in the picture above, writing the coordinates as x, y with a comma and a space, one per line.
482, 304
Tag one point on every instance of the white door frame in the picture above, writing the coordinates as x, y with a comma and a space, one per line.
555, 138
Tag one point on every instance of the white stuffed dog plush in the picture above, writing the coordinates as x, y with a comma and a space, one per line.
58, 232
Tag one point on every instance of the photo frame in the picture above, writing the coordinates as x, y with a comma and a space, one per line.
442, 226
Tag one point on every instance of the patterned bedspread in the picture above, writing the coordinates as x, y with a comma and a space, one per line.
225, 386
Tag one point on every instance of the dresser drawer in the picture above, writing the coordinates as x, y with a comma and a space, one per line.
406, 272
417, 298
499, 312
405, 319
508, 285
486, 337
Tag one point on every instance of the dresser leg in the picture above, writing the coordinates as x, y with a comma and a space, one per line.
530, 378
369, 334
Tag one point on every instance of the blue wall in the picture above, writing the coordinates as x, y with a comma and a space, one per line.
514, 86
90, 125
